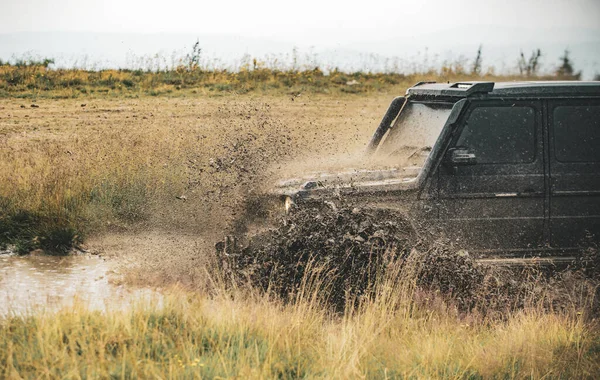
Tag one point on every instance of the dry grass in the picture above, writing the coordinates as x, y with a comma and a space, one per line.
241, 335
35, 80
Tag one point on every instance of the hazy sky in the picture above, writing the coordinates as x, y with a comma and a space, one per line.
304, 21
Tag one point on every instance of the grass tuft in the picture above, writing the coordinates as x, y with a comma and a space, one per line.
59, 241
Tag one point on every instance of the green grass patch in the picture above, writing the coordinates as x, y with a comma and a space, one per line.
26, 231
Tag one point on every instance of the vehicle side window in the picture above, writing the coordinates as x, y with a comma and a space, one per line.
577, 133
500, 135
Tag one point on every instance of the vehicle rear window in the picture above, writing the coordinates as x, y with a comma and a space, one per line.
500, 135
577, 133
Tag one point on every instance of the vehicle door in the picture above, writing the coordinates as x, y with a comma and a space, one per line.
574, 131
491, 181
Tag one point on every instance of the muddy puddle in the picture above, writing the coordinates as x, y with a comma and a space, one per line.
48, 283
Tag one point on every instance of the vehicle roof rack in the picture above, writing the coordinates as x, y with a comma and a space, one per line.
462, 89
543, 89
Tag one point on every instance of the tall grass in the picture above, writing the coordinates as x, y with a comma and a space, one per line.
57, 190
245, 335
94, 170
39, 81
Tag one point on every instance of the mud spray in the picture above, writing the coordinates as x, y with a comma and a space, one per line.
349, 248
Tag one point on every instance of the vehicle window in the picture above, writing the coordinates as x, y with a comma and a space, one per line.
500, 135
577, 133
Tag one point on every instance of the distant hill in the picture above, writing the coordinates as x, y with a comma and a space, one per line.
413, 50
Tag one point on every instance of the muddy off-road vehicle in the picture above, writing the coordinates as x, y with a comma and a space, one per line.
508, 171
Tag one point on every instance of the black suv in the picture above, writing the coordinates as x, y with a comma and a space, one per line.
504, 169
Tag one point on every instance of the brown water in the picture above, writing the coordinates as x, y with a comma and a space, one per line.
48, 283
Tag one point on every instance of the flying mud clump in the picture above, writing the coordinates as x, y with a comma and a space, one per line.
349, 249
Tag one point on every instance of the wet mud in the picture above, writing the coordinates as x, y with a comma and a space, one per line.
352, 246
348, 251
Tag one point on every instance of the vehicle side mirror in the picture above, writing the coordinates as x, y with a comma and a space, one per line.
460, 156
